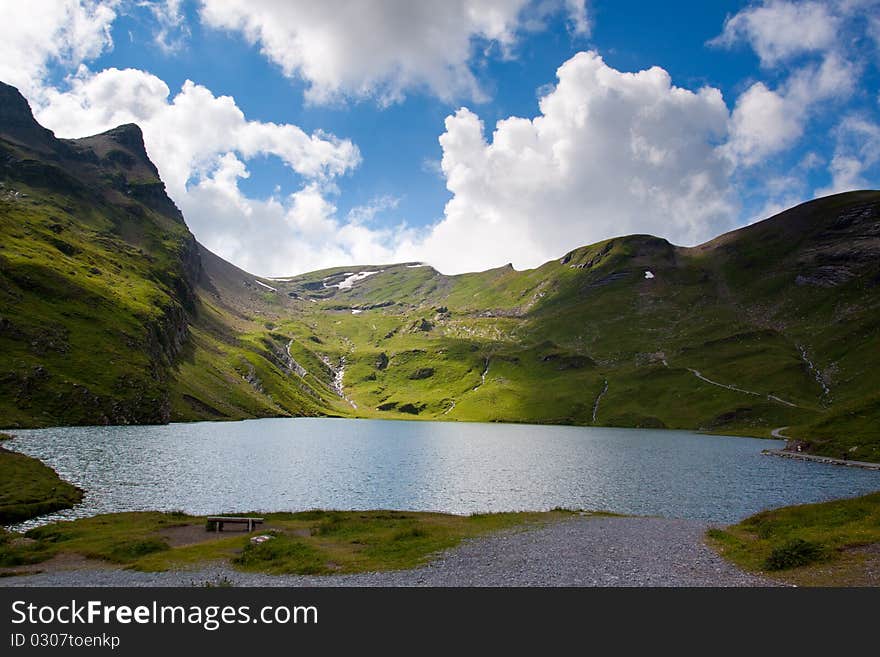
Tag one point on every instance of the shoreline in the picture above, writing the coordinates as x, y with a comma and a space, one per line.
774, 434
803, 456
613, 551
733, 433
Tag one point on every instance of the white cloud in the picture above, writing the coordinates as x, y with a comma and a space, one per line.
765, 122
200, 144
810, 161
779, 30
579, 17
874, 31
172, 30
610, 153
817, 46
834, 77
857, 152
35, 34
779, 192
762, 123
185, 134
364, 214
280, 236
375, 48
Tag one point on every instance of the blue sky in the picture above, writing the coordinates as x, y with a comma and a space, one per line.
751, 107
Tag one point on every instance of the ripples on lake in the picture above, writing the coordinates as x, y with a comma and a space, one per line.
303, 463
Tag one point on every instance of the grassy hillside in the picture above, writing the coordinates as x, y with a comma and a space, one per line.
29, 489
111, 312
777, 324
104, 301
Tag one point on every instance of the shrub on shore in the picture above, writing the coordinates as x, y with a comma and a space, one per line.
794, 553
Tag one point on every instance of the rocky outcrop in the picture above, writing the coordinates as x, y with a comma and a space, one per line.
422, 373
17, 122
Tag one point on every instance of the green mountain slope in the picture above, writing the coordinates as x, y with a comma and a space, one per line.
111, 312
104, 301
772, 325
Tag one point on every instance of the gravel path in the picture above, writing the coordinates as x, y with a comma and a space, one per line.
585, 551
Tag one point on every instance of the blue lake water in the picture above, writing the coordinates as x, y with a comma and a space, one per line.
303, 463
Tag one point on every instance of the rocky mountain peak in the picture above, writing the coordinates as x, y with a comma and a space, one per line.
128, 138
17, 121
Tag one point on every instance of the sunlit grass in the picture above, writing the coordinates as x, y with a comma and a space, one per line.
811, 544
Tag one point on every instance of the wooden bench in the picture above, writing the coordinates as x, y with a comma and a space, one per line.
219, 521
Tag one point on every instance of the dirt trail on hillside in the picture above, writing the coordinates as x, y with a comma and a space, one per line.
697, 374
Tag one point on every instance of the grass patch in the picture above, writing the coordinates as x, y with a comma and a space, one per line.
126, 551
121, 538
17, 552
831, 543
28, 488
307, 543
283, 554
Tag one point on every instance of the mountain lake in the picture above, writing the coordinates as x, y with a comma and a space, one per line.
293, 464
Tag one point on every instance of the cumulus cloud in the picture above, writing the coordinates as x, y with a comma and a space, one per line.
375, 48
765, 122
185, 133
762, 123
35, 34
279, 236
610, 153
811, 44
779, 30
201, 143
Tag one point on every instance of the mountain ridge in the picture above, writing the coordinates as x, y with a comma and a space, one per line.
112, 312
